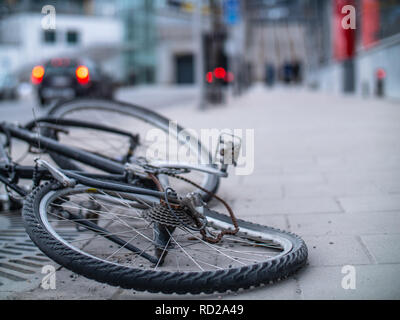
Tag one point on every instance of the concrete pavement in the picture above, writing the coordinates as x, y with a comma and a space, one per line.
326, 168
152, 97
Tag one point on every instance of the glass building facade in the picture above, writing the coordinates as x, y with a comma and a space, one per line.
140, 38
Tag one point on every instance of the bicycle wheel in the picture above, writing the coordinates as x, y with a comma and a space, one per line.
255, 255
136, 120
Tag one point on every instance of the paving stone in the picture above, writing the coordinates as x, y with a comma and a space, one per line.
290, 206
389, 186
330, 161
356, 174
248, 192
372, 282
371, 203
345, 223
285, 179
330, 189
384, 247
69, 286
335, 250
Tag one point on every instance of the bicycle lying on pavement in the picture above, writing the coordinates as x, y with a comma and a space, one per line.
117, 217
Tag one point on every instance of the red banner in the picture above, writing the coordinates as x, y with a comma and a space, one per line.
370, 22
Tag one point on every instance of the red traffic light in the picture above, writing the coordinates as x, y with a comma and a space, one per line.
219, 73
209, 77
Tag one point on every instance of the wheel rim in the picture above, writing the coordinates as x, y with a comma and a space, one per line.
184, 255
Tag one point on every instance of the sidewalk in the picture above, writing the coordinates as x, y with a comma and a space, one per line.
326, 168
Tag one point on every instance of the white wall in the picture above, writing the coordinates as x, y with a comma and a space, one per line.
93, 32
386, 56
166, 59
173, 40
9, 57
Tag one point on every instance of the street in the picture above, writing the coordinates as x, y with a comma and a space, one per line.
326, 167
154, 98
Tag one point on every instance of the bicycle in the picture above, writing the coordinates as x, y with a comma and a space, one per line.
127, 225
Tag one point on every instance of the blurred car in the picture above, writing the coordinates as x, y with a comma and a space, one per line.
8, 86
64, 78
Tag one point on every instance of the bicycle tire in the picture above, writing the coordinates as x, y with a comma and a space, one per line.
125, 277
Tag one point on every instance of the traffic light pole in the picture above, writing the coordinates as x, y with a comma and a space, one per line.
215, 93
199, 54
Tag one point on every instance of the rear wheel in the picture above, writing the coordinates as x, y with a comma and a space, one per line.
187, 264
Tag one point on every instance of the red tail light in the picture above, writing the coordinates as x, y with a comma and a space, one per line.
82, 74
37, 74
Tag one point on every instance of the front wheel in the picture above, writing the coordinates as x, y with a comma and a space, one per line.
116, 244
156, 140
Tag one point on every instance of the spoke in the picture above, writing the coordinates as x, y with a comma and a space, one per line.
111, 213
190, 257
128, 226
255, 253
211, 246
211, 265
86, 227
120, 248
161, 256
83, 219
137, 199
108, 233
119, 199
96, 211
144, 250
97, 235
121, 221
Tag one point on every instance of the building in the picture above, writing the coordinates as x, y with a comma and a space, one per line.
158, 44
363, 60
82, 29
275, 37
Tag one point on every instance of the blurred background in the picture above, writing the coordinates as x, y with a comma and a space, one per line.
201, 49
321, 103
